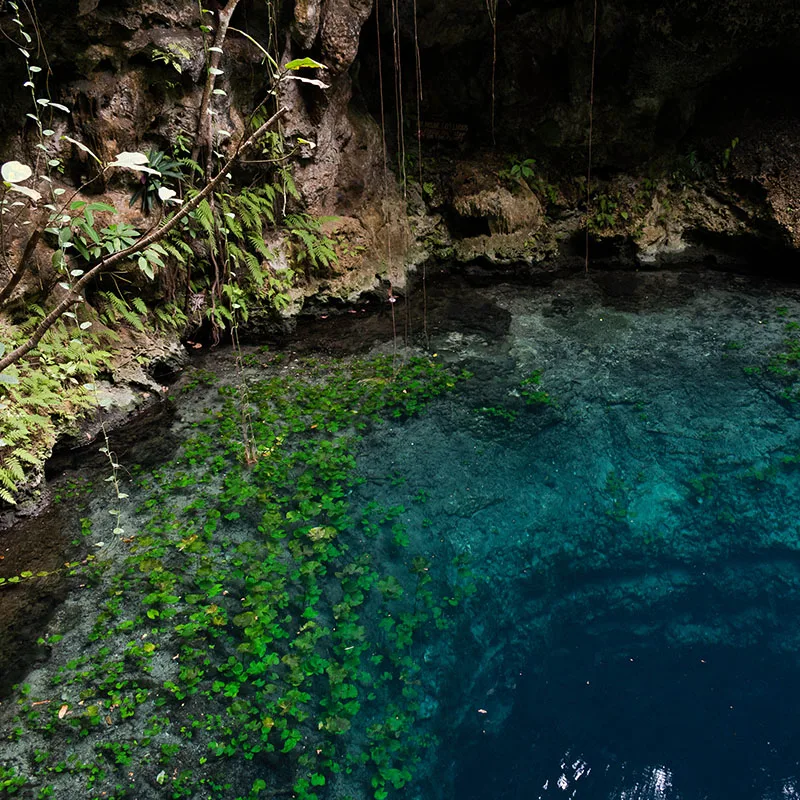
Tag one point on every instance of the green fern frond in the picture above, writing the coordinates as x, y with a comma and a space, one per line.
260, 246
205, 216
139, 305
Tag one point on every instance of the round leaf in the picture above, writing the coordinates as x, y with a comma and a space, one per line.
14, 172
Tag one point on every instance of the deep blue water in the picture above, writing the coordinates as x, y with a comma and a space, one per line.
692, 723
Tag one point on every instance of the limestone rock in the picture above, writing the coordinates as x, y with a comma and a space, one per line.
504, 211
305, 25
341, 28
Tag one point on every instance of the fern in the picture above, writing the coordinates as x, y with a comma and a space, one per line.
118, 308
313, 250
24, 455
192, 166
139, 305
205, 216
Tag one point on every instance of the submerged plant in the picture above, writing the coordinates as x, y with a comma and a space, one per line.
244, 618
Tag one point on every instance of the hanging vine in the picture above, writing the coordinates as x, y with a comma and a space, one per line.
591, 125
491, 7
385, 193
418, 70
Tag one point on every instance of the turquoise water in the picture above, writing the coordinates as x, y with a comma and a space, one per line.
593, 543
637, 634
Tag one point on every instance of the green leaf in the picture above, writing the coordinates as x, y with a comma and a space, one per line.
144, 266
304, 63
101, 207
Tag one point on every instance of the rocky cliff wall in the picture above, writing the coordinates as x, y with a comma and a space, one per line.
694, 129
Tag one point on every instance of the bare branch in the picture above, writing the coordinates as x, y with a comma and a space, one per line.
203, 135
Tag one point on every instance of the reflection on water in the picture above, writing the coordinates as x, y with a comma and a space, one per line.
651, 783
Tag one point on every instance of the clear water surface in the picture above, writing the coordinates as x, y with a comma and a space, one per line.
621, 475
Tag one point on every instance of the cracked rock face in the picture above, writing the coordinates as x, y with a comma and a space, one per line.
504, 211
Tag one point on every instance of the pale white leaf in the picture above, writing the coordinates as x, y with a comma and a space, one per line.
134, 161
14, 171
312, 81
32, 193
82, 146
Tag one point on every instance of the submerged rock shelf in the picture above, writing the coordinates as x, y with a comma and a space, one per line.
565, 563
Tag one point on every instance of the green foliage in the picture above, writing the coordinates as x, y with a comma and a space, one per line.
291, 637
690, 168
532, 393
312, 250
524, 169
234, 231
173, 56
49, 390
169, 169
507, 415
728, 152
11, 781
782, 360
608, 212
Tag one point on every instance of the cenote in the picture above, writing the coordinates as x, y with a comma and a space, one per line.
544, 546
